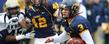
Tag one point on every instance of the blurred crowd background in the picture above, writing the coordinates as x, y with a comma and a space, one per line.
97, 13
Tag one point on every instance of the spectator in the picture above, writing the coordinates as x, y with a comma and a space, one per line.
2, 2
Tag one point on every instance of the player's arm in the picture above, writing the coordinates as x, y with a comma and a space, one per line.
24, 21
61, 38
64, 36
5, 36
14, 38
85, 34
18, 37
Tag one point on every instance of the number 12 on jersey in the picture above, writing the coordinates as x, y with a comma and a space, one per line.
40, 23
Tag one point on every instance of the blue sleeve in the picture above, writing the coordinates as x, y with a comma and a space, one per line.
80, 25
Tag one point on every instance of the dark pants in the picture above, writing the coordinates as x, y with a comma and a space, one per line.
106, 38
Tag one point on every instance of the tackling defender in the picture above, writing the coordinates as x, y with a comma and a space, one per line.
14, 23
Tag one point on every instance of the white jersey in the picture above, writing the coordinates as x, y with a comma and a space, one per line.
2, 23
10, 23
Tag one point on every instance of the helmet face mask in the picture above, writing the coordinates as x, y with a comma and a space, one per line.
70, 11
36, 3
12, 7
65, 12
13, 10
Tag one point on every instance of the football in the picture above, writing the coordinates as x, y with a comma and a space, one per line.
75, 40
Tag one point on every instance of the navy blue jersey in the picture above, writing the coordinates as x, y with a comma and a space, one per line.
78, 25
42, 23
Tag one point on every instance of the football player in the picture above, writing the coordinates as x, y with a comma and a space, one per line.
76, 27
42, 21
57, 14
13, 22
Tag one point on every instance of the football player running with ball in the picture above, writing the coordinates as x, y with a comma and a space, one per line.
76, 27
